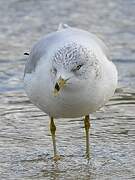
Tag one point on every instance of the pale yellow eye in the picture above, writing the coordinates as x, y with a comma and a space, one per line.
77, 67
54, 71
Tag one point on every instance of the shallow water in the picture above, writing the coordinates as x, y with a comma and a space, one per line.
25, 141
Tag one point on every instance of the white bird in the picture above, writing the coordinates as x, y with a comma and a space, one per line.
68, 75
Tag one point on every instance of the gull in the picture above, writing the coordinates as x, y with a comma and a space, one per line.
68, 74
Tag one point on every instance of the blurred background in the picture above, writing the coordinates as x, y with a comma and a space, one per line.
25, 142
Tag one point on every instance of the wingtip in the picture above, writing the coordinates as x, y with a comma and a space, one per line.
26, 53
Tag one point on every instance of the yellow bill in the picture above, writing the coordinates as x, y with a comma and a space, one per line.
59, 85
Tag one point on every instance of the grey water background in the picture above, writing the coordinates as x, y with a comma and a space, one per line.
25, 141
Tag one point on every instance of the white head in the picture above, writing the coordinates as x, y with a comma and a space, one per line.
73, 62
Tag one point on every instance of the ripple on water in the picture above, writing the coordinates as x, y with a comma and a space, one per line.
26, 147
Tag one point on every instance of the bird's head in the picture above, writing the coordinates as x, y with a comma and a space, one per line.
70, 66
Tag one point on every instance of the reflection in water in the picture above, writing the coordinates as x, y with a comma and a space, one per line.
25, 141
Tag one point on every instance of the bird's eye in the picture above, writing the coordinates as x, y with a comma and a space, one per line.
77, 67
54, 70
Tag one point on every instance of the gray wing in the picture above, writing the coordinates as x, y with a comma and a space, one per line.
34, 56
38, 50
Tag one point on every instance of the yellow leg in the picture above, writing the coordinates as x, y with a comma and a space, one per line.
87, 127
53, 129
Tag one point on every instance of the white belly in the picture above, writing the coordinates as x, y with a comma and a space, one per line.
71, 102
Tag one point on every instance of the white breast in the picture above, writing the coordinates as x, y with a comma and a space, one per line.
81, 97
